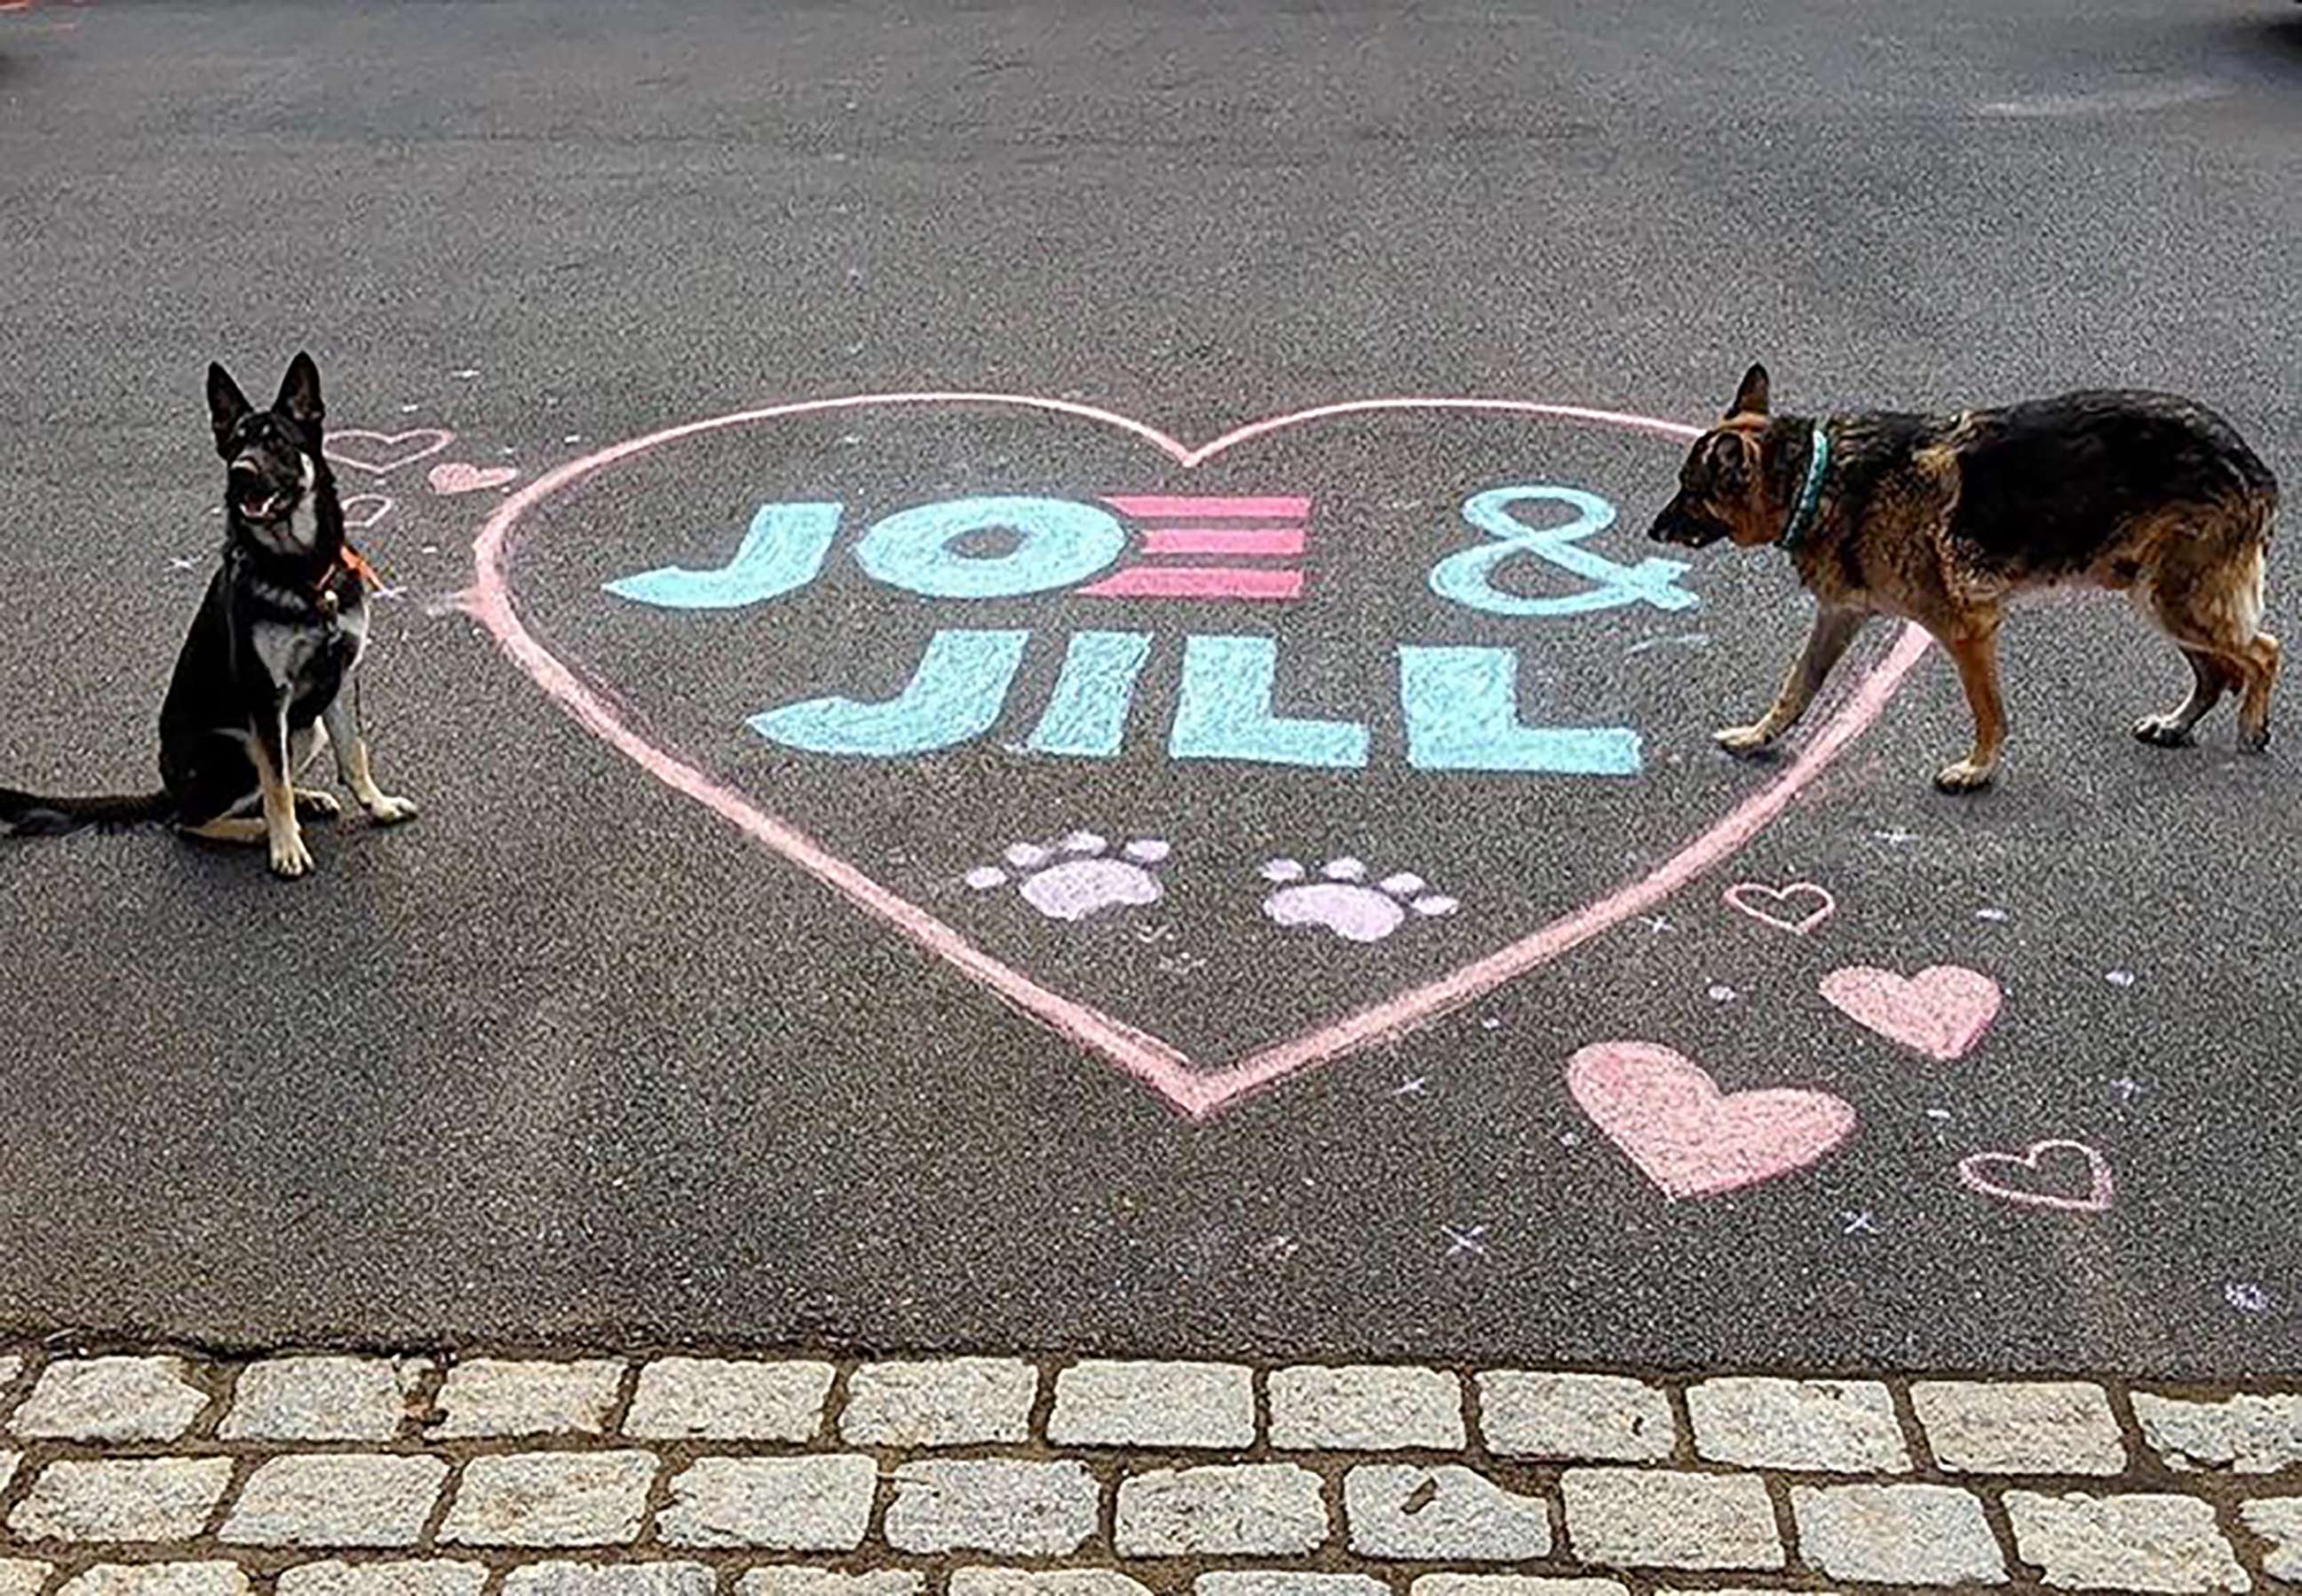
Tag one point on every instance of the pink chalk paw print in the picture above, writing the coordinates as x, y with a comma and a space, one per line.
1077, 876
1345, 902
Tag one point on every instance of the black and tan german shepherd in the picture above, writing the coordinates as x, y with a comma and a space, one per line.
268, 663
1945, 519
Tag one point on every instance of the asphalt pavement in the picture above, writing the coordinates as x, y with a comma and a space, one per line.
892, 941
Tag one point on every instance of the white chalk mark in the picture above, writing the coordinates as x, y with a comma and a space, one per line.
466, 372
183, 562
1896, 839
1657, 923
1690, 640
1722, 992
1999, 915
2247, 1298
1411, 1088
2119, 977
1471, 1240
1857, 1222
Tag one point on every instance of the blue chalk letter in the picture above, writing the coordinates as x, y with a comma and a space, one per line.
1087, 715
782, 550
1461, 706
1059, 543
1224, 711
956, 695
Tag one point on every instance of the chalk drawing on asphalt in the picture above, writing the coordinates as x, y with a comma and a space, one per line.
1941, 1011
1079, 876
1670, 1118
1342, 900
2056, 1173
1798, 908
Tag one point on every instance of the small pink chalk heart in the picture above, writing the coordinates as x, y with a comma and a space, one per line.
1942, 1011
2016, 1177
385, 451
458, 476
1690, 1139
364, 510
1778, 906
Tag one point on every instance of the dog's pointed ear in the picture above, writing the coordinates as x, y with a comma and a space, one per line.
299, 391
1751, 398
226, 405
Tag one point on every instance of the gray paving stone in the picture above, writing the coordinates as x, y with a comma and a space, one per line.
821, 1503
1263, 1509
121, 1498
1042, 1582
2020, 1427
1012, 1508
160, 1579
111, 1399
1518, 1585
1834, 1426
1659, 1518
1576, 1418
21, 1576
550, 1499
322, 1398
429, 1577
494, 1397
1366, 1408
623, 1579
1446, 1514
729, 1399
1897, 1534
1104, 1403
2247, 1434
944, 1402
2123, 1543
2278, 1520
794, 1581
1283, 1581
336, 1499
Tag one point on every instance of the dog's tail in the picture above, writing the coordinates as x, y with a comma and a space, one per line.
30, 814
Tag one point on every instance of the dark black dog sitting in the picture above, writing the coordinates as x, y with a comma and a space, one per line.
266, 669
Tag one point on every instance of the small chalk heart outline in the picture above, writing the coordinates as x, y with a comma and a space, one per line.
1941, 1011
432, 439
461, 476
1739, 896
360, 520
2100, 1187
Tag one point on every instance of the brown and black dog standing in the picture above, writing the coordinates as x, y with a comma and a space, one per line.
1945, 519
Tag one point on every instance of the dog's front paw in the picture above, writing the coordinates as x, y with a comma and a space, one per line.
1744, 739
1965, 777
289, 857
385, 810
311, 804
2163, 731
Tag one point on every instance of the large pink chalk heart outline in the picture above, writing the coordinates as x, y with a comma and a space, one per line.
1195, 1092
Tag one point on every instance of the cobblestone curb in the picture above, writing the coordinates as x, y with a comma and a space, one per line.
153, 1474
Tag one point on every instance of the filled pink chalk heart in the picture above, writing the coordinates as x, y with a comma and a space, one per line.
379, 453
460, 476
1797, 908
2053, 1173
1687, 1137
1942, 1011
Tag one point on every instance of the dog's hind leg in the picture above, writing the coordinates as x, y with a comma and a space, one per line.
230, 828
1834, 630
2173, 729
352, 766
1977, 670
2212, 606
